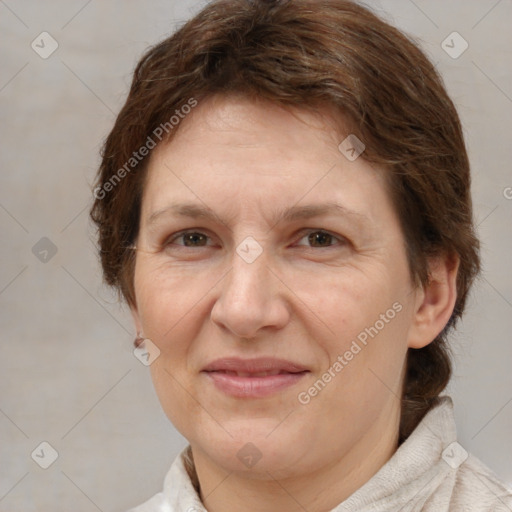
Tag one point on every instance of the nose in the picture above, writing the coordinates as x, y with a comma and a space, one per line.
251, 299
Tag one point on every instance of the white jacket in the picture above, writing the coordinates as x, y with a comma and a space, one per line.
430, 472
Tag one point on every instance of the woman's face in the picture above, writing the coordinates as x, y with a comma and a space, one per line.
264, 250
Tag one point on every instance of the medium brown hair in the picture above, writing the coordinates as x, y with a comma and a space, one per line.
298, 54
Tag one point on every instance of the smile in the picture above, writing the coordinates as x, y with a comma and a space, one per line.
253, 385
256, 378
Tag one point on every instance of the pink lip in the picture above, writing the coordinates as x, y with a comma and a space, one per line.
225, 375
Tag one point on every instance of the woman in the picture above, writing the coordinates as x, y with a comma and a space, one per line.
284, 203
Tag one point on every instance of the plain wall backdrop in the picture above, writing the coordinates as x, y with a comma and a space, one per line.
67, 372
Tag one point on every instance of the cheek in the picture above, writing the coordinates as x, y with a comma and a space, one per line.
167, 299
170, 389
343, 303
362, 329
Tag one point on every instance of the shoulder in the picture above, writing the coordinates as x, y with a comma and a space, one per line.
477, 488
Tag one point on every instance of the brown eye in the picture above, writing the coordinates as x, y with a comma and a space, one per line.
194, 239
189, 239
321, 239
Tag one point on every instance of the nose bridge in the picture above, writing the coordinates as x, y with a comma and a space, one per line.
248, 280
248, 298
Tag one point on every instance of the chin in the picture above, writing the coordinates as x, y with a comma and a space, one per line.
256, 448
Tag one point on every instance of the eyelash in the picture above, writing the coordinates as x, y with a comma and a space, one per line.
306, 232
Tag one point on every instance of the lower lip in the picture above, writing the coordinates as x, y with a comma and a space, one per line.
253, 387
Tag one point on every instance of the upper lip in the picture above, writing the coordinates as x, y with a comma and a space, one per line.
258, 365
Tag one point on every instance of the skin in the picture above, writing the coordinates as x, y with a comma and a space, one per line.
299, 300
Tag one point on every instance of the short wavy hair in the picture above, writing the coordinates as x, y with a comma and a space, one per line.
301, 54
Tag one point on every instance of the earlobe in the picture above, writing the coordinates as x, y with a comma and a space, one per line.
436, 302
138, 326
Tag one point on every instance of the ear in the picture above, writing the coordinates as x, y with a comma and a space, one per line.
435, 301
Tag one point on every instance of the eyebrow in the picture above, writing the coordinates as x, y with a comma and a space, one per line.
290, 214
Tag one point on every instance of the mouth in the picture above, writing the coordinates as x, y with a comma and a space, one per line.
254, 374
253, 378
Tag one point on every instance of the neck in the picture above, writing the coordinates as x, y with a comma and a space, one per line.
317, 491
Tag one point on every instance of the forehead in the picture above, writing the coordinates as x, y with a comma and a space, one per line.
232, 152
242, 125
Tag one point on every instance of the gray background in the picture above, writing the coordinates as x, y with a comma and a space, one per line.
67, 372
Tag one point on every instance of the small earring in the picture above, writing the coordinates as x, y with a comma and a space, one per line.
139, 340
